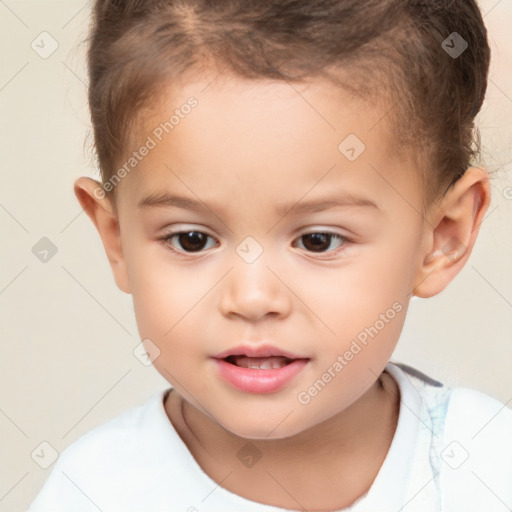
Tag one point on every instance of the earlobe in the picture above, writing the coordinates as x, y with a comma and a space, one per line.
456, 224
99, 209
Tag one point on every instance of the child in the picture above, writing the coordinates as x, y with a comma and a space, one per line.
235, 139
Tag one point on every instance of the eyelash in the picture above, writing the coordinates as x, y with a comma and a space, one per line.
165, 241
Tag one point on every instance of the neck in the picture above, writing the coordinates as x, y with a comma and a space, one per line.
362, 434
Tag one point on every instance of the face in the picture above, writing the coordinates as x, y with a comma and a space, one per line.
288, 235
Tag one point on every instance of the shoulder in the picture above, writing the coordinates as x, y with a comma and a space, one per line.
476, 455
470, 443
460, 412
459, 407
472, 409
106, 461
115, 436
481, 425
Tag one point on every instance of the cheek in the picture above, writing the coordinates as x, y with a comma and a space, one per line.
386, 272
164, 293
362, 305
165, 314
350, 297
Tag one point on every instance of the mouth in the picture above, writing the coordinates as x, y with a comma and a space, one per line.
261, 374
246, 354
259, 363
258, 369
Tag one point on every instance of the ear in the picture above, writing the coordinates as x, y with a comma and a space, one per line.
98, 207
456, 221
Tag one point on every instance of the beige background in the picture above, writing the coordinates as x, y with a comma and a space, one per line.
68, 333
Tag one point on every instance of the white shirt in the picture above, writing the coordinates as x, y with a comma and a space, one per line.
451, 452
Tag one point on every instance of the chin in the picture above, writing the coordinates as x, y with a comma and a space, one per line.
263, 429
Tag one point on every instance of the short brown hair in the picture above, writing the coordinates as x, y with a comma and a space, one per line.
393, 49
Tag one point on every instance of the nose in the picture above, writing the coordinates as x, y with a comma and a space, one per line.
254, 291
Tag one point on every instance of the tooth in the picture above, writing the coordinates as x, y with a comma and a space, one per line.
260, 363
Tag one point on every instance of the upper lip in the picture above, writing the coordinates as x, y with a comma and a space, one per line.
257, 351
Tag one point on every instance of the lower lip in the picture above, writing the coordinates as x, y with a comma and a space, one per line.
252, 380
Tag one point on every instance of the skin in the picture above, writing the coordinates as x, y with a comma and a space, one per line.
247, 148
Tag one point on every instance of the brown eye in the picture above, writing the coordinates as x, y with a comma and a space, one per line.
188, 241
321, 242
192, 240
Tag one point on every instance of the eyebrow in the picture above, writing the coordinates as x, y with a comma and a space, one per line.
165, 200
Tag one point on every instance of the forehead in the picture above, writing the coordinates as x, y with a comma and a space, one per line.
247, 136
